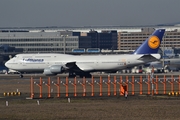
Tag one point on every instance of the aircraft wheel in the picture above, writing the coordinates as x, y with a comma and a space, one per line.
72, 75
21, 76
84, 74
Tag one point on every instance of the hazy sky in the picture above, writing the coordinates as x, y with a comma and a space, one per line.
42, 13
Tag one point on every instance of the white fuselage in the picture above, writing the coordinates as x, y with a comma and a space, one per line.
38, 62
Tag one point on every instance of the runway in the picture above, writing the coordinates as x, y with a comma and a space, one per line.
28, 76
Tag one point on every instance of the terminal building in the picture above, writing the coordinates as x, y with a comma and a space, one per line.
131, 40
69, 40
57, 42
42, 42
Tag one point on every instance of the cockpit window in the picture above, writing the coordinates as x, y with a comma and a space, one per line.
15, 56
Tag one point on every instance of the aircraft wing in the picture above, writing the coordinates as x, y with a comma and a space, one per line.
84, 67
70, 65
78, 67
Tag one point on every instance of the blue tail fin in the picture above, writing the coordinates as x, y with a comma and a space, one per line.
152, 43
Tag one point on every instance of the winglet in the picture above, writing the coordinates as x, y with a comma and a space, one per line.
152, 43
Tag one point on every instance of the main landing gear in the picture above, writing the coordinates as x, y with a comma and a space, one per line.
86, 75
21, 75
81, 74
72, 74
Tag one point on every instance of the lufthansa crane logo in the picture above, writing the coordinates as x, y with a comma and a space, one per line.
154, 42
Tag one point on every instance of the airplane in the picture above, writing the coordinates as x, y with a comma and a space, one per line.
83, 65
170, 64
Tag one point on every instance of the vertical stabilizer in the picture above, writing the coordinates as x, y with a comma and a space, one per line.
152, 43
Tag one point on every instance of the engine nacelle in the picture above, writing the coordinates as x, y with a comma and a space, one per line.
56, 69
48, 72
53, 70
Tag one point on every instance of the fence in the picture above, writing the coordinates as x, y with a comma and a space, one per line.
111, 86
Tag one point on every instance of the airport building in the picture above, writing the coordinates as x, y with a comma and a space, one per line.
103, 39
33, 42
65, 40
57, 42
131, 40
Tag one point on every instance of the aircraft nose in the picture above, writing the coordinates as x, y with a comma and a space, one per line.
7, 64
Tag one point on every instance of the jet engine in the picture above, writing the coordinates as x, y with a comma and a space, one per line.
53, 70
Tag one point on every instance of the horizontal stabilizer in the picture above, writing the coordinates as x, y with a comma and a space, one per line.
150, 57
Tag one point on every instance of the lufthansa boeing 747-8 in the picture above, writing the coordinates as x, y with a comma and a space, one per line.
82, 65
